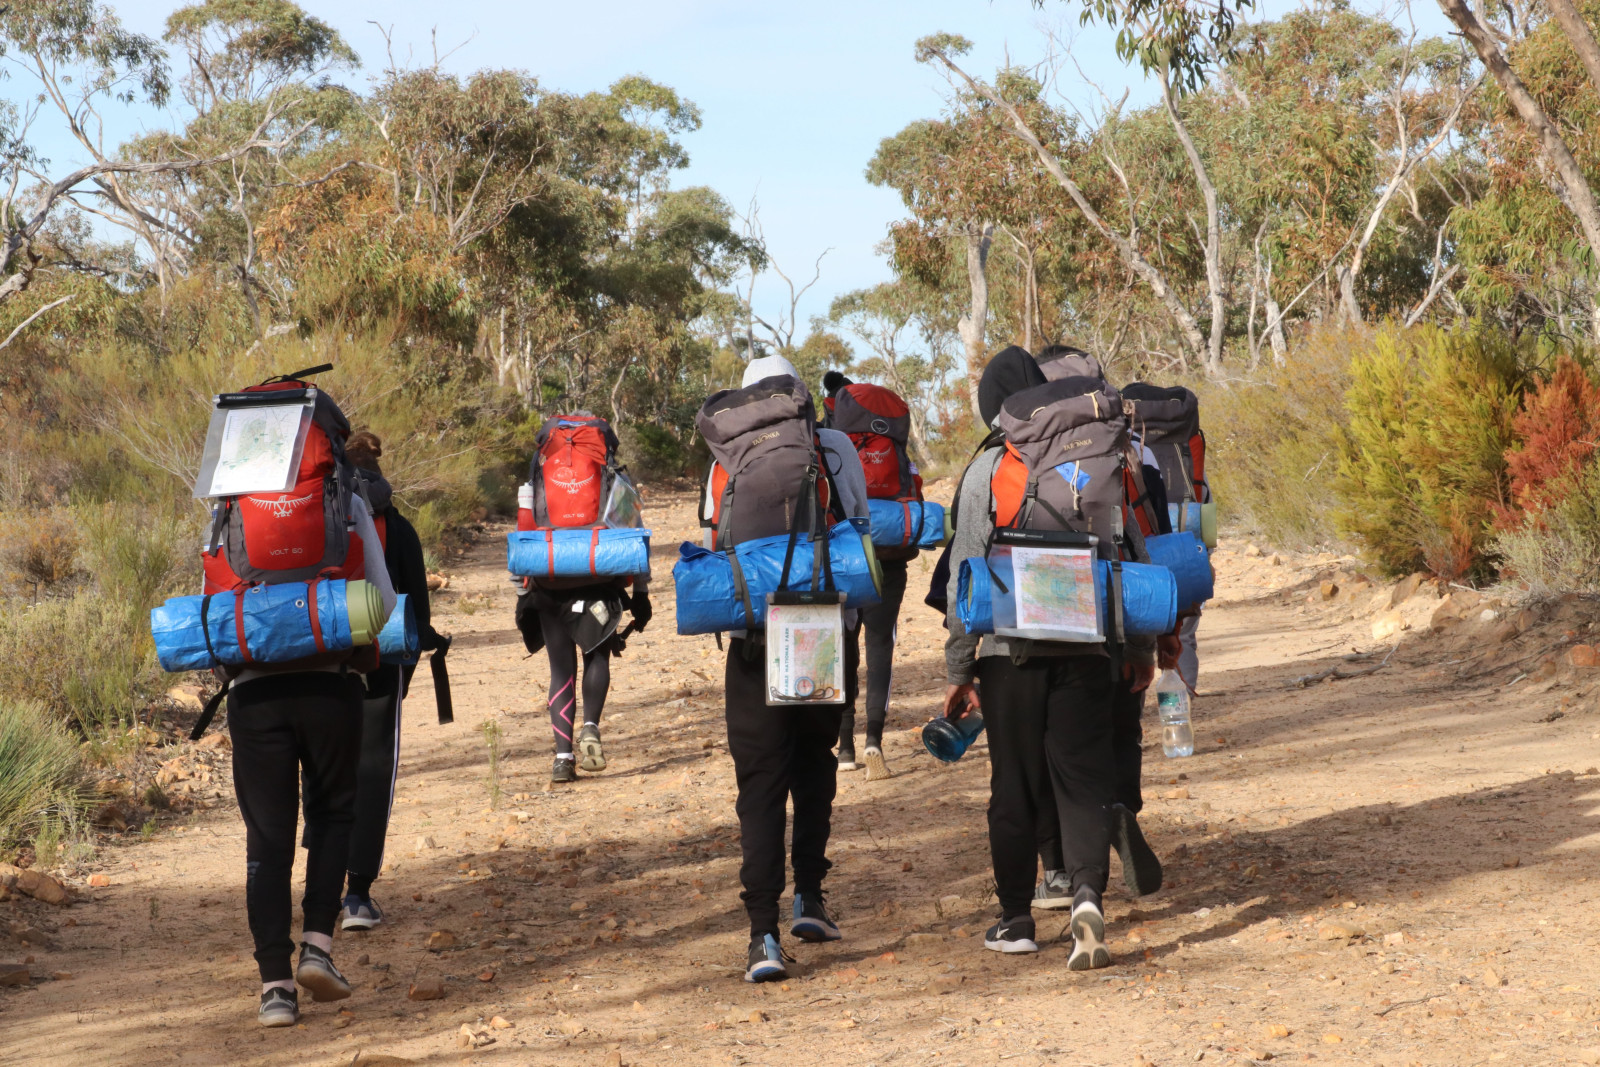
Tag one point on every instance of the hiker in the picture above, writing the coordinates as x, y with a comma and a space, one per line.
1146, 504
1169, 421
778, 752
575, 482
1048, 705
296, 726
386, 688
877, 423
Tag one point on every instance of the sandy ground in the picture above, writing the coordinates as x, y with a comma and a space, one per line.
1391, 868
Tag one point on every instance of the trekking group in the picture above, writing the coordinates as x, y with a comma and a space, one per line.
1055, 576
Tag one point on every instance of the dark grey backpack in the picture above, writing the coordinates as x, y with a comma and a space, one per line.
763, 438
1168, 420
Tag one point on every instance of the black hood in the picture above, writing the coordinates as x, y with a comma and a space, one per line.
1012, 371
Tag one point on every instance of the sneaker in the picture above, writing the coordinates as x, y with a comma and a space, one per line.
1054, 892
1141, 870
318, 974
1011, 935
594, 757
360, 913
767, 959
811, 919
877, 767
565, 770
279, 1007
847, 756
1088, 925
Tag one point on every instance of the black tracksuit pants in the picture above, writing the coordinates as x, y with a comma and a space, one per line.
1127, 755
878, 623
778, 753
376, 772
1050, 731
282, 726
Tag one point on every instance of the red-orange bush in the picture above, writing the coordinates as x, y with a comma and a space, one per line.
1556, 431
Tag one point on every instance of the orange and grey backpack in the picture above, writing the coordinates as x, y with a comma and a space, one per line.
1169, 422
573, 470
878, 423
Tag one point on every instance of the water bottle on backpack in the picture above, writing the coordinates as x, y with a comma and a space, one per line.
1172, 703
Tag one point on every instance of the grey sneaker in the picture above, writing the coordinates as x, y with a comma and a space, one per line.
317, 974
594, 757
1054, 892
1088, 924
1141, 869
565, 769
360, 913
279, 1007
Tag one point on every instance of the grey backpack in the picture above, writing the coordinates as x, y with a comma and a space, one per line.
1069, 362
1169, 422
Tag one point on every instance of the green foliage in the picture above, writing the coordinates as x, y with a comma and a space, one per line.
40, 771
1422, 468
1273, 444
651, 451
1557, 549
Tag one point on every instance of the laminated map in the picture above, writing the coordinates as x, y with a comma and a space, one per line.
257, 449
805, 661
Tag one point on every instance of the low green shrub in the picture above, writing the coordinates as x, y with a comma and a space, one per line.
1422, 469
651, 451
40, 773
1557, 549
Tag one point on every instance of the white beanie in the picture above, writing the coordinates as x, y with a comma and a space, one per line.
767, 367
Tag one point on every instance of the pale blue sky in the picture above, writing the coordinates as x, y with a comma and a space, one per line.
795, 97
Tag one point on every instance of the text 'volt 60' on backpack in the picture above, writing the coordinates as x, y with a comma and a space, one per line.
1169, 422
574, 467
306, 532
1065, 449
763, 439
878, 423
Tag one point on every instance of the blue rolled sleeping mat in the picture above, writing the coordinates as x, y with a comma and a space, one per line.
277, 624
398, 641
1149, 598
1185, 556
906, 523
708, 593
579, 552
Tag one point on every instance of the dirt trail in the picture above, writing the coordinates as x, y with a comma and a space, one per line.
1389, 869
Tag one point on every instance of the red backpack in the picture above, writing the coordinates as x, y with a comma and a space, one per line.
878, 422
574, 467
304, 533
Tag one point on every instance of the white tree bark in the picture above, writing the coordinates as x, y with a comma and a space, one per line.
1214, 288
973, 326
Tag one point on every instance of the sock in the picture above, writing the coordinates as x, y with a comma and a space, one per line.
287, 983
566, 755
322, 941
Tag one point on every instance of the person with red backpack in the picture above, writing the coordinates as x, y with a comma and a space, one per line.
777, 472
1055, 474
298, 722
575, 482
878, 424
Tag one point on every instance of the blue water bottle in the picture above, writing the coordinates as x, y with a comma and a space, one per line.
947, 739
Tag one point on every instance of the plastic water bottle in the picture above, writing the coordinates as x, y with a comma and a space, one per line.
1172, 702
947, 740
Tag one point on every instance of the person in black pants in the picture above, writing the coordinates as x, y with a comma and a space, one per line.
878, 624
385, 692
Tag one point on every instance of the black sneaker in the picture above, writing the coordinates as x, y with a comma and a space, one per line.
1011, 935
1141, 870
594, 757
1088, 925
564, 770
279, 1007
766, 960
847, 756
811, 919
1054, 892
318, 974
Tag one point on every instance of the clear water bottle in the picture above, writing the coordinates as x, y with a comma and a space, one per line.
1172, 703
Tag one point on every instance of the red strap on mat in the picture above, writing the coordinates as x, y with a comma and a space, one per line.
594, 543
238, 626
316, 623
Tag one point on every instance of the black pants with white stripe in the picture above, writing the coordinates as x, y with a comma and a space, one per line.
376, 774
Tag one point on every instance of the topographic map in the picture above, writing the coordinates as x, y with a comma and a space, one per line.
258, 450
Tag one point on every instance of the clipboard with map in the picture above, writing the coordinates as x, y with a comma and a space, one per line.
254, 445
805, 648
1047, 586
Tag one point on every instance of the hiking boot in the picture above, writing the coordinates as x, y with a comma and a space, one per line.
318, 974
279, 1007
1011, 935
811, 919
766, 960
564, 770
1054, 892
847, 756
594, 757
1141, 870
877, 767
1088, 925
360, 913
